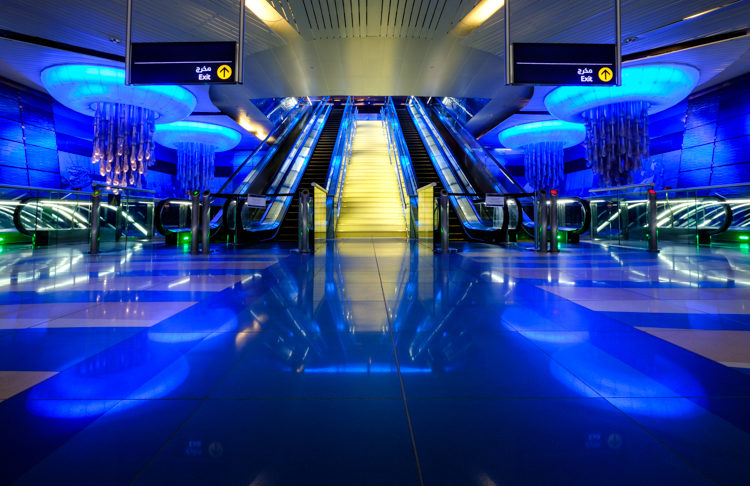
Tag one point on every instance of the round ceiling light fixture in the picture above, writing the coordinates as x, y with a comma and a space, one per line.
543, 144
196, 144
124, 116
616, 117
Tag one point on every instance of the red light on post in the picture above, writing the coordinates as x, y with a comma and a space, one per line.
553, 192
651, 191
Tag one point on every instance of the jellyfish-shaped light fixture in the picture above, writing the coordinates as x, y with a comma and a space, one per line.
196, 144
124, 116
616, 117
543, 144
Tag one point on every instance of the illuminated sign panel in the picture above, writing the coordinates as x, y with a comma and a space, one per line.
183, 63
564, 64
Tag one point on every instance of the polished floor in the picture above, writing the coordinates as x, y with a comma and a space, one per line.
375, 363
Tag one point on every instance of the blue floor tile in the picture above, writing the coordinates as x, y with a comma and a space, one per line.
551, 441
116, 446
363, 442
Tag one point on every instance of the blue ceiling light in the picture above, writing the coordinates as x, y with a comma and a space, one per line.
196, 144
659, 85
173, 134
543, 144
520, 136
80, 87
124, 116
616, 117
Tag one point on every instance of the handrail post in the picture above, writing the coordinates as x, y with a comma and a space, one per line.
303, 239
206, 222
94, 217
653, 244
194, 222
553, 247
444, 230
540, 221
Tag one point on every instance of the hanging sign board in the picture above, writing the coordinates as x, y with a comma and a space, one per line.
256, 201
494, 200
183, 63
564, 64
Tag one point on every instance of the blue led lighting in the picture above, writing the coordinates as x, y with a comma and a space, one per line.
520, 136
80, 87
219, 137
661, 85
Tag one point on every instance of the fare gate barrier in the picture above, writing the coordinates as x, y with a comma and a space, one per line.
303, 224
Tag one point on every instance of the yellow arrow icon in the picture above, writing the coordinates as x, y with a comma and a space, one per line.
605, 74
225, 71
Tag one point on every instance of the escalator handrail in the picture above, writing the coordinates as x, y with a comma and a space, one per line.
271, 136
466, 140
445, 151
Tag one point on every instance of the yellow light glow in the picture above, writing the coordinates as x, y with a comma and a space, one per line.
702, 13
478, 15
265, 12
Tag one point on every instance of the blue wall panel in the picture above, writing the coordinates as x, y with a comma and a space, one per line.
39, 178
9, 109
14, 176
702, 141
39, 158
12, 154
10, 130
40, 137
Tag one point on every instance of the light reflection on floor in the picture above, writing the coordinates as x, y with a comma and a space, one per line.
587, 367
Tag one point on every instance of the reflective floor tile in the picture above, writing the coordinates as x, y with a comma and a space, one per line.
13, 382
41, 349
363, 442
333, 365
120, 314
551, 441
713, 434
140, 429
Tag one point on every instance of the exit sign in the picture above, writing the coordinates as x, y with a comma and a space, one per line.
564, 64
183, 63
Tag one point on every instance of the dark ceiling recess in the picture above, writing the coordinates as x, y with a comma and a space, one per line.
681, 46
41, 41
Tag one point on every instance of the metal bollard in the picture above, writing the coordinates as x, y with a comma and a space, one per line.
444, 229
94, 217
303, 238
553, 248
206, 222
540, 222
195, 220
653, 244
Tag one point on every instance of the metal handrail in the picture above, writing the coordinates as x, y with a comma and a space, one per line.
703, 188
396, 166
260, 146
621, 188
346, 157
44, 189
121, 188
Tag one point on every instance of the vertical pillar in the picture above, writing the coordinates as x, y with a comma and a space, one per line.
195, 220
444, 229
553, 248
653, 244
94, 220
540, 221
303, 239
206, 222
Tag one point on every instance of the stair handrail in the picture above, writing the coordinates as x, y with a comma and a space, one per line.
341, 157
394, 156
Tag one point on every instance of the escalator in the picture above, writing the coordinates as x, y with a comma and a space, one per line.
317, 171
424, 170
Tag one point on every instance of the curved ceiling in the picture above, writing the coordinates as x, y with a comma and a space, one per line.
367, 47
